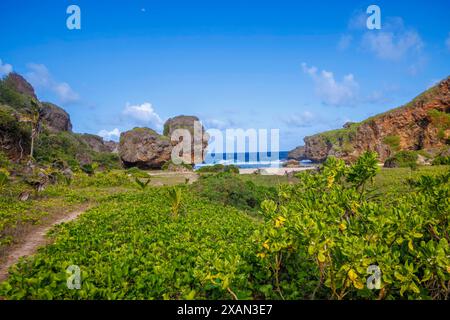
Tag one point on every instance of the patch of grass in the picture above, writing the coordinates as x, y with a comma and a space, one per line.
219, 168
393, 181
393, 141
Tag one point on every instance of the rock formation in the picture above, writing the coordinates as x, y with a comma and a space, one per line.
422, 124
98, 144
20, 85
55, 118
145, 148
18, 104
297, 154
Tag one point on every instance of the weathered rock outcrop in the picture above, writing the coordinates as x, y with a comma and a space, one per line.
112, 146
297, 154
144, 148
19, 84
422, 124
199, 138
55, 118
98, 144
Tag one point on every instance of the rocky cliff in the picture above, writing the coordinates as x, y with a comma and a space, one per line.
422, 124
55, 118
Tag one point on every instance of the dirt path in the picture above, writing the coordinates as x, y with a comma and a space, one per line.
33, 240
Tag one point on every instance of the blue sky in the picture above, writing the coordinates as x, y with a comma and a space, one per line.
299, 66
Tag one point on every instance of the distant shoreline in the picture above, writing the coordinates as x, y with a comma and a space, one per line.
274, 171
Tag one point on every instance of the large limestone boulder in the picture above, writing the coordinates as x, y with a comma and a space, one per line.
199, 138
144, 148
55, 118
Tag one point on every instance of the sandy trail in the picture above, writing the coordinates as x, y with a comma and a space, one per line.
33, 240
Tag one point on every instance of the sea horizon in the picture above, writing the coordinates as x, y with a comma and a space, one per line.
249, 160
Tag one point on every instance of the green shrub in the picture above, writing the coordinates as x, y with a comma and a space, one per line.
88, 169
169, 165
9, 96
441, 160
231, 190
138, 173
325, 236
402, 159
70, 147
219, 168
106, 160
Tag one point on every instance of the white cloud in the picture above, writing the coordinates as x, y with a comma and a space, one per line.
301, 120
65, 92
5, 68
392, 46
330, 91
143, 114
110, 135
221, 124
39, 76
447, 42
393, 41
358, 21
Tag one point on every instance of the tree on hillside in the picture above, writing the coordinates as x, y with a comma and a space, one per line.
33, 116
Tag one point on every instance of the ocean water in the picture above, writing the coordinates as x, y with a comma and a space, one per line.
248, 160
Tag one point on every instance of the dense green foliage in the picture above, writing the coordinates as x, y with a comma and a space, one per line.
232, 190
16, 131
71, 148
441, 160
218, 168
10, 96
402, 159
315, 238
142, 252
326, 232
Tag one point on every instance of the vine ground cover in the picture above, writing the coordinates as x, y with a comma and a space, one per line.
314, 240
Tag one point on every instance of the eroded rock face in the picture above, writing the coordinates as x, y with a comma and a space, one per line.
98, 144
112, 146
297, 154
199, 138
55, 118
412, 126
144, 148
